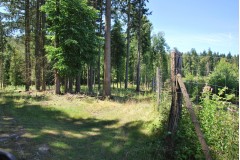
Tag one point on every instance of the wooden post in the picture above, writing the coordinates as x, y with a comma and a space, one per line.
176, 106
195, 122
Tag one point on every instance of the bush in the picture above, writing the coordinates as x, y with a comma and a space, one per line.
187, 145
219, 121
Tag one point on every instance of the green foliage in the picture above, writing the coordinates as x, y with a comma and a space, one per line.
194, 85
186, 141
13, 62
159, 57
219, 120
17, 66
73, 25
225, 74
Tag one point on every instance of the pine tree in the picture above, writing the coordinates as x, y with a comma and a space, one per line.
107, 51
27, 46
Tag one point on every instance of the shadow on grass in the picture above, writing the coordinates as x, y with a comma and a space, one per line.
45, 133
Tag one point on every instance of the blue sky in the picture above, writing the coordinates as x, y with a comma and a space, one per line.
199, 24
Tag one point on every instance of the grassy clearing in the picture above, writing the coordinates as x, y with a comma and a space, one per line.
45, 126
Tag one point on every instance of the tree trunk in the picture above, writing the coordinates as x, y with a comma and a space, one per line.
66, 84
128, 44
145, 81
78, 83
27, 47
158, 86
1, 56
120, 83
37, 49
93, 79
43, 55
107, 51
90, 79
99, 49
153, 82
57, 82
139, 47
70, 84
57, 77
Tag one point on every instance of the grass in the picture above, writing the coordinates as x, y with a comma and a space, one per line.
77, 127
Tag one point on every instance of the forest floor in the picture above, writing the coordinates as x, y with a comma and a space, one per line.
74, 127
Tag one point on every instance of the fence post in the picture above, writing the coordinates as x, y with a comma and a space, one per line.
176, 105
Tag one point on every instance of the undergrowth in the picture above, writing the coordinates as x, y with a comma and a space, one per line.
218, 118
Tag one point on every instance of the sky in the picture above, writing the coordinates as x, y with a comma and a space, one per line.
199, 24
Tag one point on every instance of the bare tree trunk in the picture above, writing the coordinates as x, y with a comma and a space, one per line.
65, 84
99, 49
93, 77
37, 49
120, 82
27, 46
153, 82
90, 79
70, 84
139, 47
78, 83
128, 44
57, 77
145, 83
43, 55
158, 87
107, 51
1, 56
57, 82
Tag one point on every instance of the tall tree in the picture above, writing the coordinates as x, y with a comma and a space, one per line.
107, 51
139, 45
117, 51
128, 42
75, 41
2, 49
56, 71
159, 57
27, 46
139, 9
37, 48
42, 43
99, 44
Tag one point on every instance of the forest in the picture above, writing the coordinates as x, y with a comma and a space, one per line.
88, 79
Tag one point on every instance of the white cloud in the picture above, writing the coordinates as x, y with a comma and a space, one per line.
216, 38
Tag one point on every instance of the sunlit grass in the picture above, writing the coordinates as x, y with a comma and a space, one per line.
76, 126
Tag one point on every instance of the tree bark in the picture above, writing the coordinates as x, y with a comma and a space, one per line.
107, 51
158, 86
66, 84
57, 82
90, 79
37, 49
70, 84
1, 56
128, 44
139, 47
27, 47
78, 83
57, 77
99, 49
43, 54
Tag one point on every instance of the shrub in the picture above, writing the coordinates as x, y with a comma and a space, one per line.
219, 121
